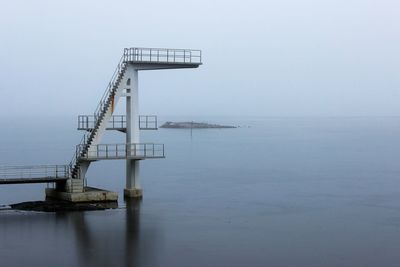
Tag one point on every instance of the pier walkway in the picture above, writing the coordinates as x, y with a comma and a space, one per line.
34, 174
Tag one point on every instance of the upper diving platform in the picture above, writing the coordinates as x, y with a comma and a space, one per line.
162, 58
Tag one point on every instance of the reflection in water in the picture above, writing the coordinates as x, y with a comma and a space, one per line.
286, 192
101, 241
96, 238
132, 235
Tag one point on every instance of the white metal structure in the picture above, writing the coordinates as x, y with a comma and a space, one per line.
124, 83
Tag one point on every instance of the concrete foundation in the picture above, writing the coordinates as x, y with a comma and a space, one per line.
90, 194
133, 193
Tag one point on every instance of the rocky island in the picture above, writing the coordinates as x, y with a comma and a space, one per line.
193, 125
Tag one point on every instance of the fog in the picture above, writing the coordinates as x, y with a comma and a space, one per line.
261, 58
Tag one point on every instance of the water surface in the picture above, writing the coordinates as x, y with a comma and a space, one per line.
275, 192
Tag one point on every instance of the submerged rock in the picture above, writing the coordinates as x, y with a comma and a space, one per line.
60, 206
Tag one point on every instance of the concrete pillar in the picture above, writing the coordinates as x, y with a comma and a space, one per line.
133, 189
83, 169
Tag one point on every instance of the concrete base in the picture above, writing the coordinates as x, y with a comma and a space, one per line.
90, 194
133, 193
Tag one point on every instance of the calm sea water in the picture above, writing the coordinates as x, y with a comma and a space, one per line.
275, 192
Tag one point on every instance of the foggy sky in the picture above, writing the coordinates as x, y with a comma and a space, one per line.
266, 58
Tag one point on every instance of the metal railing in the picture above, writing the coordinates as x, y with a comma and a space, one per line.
121, 151
88, 122
74, 165
162, 55
118, 122
148, 122
31, 172
101, 107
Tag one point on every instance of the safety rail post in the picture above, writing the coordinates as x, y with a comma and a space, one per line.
150, 55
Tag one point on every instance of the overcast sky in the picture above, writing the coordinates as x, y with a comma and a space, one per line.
267, 58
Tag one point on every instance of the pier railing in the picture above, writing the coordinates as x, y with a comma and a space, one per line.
121, 151
31, 172
162, 55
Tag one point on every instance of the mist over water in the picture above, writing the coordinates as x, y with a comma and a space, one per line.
274, 192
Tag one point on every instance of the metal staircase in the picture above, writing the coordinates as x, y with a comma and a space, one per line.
106, 103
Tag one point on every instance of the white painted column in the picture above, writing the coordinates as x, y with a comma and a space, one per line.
133, 188
83, 169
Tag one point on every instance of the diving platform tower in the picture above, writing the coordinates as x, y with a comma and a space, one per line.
124, 83
70, 179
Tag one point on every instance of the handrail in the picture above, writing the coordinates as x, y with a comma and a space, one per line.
115, 151
34, 171
109, 87
75, 157
162, 55
146, 122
